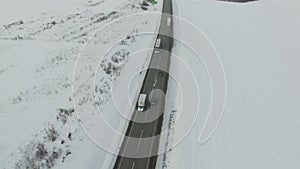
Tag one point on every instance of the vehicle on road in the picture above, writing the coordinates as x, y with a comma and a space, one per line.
157, 44
142, 102
169, 21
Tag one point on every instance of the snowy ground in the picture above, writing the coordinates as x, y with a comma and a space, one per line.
258, 44
38, 51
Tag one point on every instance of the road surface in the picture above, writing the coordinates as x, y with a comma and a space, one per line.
140, 146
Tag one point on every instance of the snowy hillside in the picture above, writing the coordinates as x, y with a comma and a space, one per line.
40, 45
258, 44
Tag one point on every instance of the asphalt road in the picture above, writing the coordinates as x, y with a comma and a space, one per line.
140, 146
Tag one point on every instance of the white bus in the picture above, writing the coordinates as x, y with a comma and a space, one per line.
142, 102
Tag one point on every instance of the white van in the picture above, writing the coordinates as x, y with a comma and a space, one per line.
169, 21
142, 102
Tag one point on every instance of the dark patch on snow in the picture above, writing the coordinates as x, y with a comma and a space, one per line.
20, 22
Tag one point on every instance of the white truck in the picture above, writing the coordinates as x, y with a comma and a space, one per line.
142, 102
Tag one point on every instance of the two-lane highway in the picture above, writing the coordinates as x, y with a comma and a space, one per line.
140, 146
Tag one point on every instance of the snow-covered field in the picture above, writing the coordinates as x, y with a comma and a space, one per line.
61, 62
258, 44
40, 44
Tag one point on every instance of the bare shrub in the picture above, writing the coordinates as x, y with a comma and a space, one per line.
64, 113
67, 112
51, 134
41, 151
119, 56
